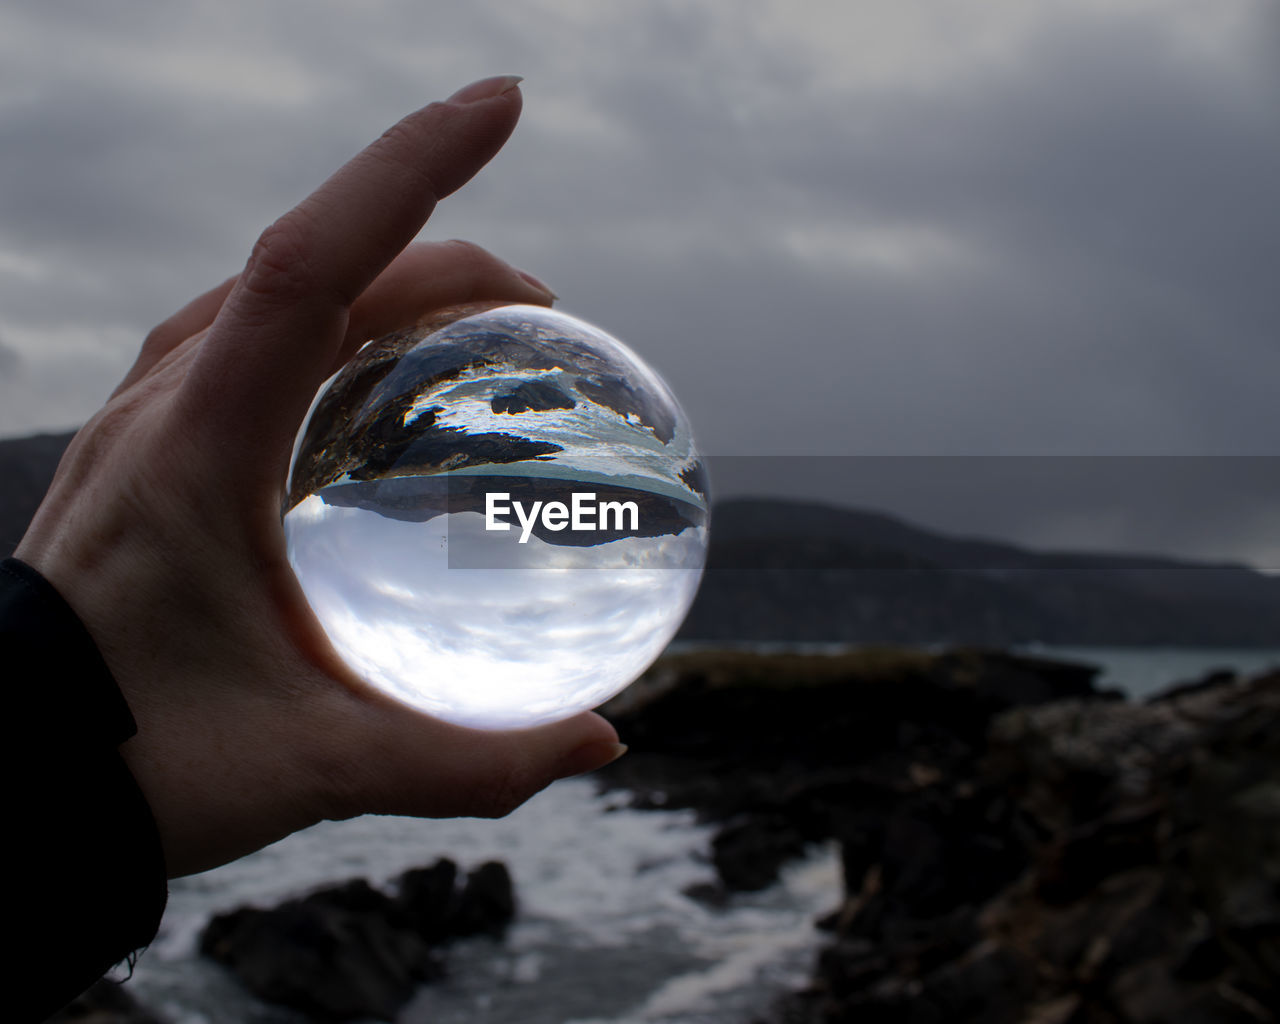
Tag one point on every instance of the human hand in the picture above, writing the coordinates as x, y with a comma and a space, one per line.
162, 528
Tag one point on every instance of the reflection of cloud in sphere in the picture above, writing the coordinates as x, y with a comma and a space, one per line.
389, 537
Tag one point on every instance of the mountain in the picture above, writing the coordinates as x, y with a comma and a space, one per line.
785, 571
789, 571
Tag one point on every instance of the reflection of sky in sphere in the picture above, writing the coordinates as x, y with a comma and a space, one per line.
547, 630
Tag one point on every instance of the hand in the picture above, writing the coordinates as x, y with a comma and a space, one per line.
162, 527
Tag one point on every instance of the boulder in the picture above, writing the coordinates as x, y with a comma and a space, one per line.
338, 954
352, 951
748, 854
1150, 891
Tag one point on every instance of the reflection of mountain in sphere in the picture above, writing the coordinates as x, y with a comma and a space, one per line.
392, 532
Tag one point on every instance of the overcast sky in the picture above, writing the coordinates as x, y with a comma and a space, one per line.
892, 228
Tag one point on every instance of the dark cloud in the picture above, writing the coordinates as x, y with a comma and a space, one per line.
836, 229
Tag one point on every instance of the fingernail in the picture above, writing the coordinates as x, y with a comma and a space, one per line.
536, 282
589, 757
486, 88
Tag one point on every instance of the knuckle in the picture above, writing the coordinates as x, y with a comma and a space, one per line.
464, 249
156, 341
400, 134
279, 265
480, 272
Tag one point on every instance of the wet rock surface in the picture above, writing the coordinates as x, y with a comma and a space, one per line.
351, 951
1016, 845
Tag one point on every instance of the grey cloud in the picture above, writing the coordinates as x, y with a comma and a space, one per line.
1103, 205
1130, 229
10, 360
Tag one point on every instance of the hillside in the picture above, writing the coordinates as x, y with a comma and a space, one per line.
798, 572
785, 571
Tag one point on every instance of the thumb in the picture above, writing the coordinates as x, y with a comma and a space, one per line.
421, 766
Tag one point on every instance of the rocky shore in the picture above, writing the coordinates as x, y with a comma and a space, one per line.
1017, 846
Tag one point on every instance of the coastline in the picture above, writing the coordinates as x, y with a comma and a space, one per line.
764, 791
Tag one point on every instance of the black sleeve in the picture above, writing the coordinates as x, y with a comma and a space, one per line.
86, 875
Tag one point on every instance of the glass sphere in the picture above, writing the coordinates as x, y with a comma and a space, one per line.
498, 516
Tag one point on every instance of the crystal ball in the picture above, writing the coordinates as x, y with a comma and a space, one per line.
498, 516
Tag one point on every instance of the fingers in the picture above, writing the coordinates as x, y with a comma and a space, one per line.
425, 277
285, 319
195, 316
429, 276
427, 768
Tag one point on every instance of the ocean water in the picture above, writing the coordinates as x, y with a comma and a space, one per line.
603, 932
1139, 672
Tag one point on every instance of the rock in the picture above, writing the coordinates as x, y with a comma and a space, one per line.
439, 909
337, 954
1015, 846
1210, 680
531, 394
487, 904
429, 899
731, 732
1146, 994
991, 983
1122, 839
713, 895
351, 951
1017, 680
748, 855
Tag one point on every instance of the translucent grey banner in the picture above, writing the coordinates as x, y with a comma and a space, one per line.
1058, 550
1096, 551
1176, 509
1197, 508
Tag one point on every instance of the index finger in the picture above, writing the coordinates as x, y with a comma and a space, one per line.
280, 328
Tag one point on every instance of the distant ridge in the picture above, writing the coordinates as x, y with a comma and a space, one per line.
785, 571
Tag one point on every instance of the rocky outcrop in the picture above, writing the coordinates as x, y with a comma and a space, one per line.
740, 733
1016, 847
352, 951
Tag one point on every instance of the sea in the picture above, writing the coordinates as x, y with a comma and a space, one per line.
605, 931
